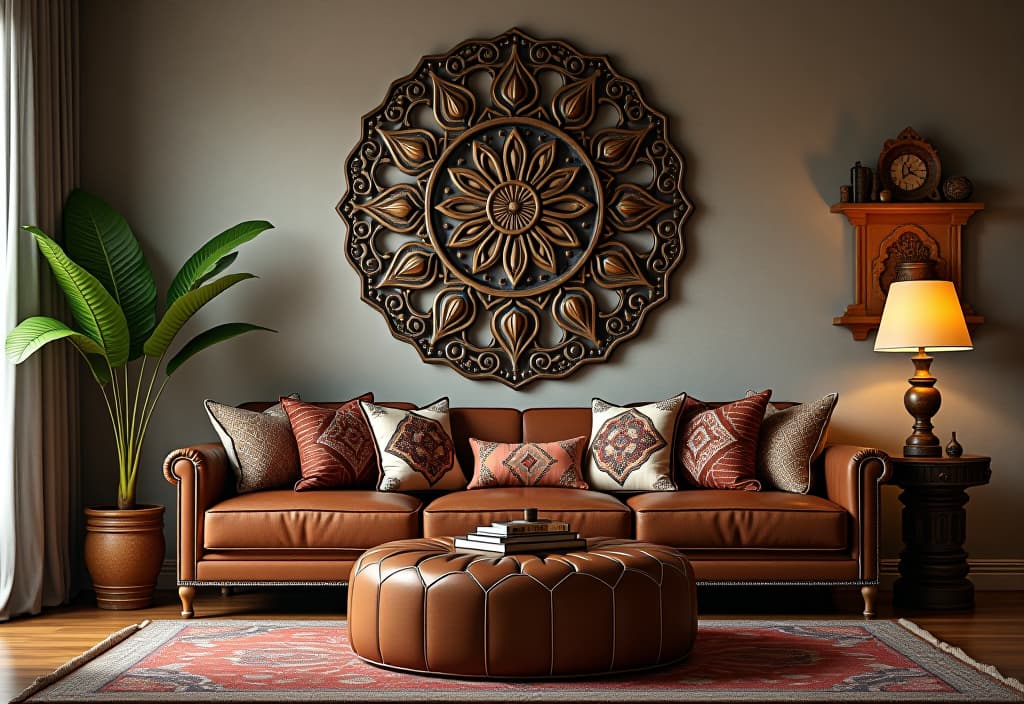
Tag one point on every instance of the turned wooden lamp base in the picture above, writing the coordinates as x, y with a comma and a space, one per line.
922, 401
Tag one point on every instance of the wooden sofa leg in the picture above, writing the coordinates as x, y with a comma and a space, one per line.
225, 591
187, 594
869, 594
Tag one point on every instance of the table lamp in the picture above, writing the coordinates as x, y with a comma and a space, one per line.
922, 316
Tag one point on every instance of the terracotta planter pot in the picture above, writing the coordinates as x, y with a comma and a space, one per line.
124, 550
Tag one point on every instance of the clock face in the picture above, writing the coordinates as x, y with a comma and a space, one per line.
908, 172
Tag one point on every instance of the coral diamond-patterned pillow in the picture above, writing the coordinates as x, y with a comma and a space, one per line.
528, 464
335, 445
718, 449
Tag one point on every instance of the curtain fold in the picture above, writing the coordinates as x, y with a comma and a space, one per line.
39, 472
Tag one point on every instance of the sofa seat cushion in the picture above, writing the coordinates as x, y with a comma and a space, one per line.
314, 520
710, 519
591, 513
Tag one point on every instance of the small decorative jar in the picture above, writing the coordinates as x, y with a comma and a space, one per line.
861, 181
957, 188
954, 449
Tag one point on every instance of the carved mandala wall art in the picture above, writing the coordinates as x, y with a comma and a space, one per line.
514, 208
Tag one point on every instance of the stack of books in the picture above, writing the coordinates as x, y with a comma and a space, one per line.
516, 537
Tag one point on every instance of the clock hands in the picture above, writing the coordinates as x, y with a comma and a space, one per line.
910, 174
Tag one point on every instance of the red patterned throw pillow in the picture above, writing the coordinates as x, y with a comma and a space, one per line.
719, 445
335, 445
556, 464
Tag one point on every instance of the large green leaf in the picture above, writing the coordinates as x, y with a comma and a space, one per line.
36, 332
222, 264
100, 241
184, 308
92, 307
209, 338
209, 256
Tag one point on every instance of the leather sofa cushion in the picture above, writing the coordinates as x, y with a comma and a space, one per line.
720, 518
551, 424
591, 513
312, 520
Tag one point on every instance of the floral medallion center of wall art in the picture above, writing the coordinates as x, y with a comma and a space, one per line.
514, 208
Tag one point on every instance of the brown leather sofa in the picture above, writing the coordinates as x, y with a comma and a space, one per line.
283, 537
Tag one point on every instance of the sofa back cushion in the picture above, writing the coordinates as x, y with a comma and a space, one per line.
553, 424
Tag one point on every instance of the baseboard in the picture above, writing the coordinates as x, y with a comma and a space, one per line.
168, 578
987, 575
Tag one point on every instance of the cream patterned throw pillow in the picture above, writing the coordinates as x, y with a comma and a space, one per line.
260, 446
415, 448
631, 447
791, 439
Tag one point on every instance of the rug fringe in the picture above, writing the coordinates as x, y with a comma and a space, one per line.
961, 655
44, 681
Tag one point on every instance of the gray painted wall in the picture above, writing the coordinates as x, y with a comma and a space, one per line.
198, 115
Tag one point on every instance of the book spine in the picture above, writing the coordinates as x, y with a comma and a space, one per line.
527, 528
497, 549
528, 538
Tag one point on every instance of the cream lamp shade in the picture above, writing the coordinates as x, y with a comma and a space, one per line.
922, 314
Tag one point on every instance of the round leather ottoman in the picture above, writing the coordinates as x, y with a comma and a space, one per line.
620, 605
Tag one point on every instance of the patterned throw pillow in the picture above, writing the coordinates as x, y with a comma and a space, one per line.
260, 446
335, 446
718, 449
791, 439
415, 448
528, 464
631, 447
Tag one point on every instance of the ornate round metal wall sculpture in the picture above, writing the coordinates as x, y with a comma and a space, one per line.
514, 208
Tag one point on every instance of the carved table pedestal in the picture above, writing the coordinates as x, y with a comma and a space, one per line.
933, 564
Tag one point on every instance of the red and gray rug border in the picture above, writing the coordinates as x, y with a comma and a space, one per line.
981, 682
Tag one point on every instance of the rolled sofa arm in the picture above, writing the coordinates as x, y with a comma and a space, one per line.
853, 476
201, 474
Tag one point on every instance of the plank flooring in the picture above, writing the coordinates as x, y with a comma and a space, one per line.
993, 632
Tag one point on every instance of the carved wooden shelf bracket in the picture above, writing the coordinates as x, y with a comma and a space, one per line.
892, 234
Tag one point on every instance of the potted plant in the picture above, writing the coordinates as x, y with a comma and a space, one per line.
112, 297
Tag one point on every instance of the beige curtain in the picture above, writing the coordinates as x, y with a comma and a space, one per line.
39, 504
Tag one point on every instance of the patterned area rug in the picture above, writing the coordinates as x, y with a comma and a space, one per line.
733, 661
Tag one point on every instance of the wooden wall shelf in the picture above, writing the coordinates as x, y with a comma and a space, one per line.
891, 233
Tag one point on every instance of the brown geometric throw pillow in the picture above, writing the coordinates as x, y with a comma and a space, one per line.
791, 439
260, 446
719, 445
335, 445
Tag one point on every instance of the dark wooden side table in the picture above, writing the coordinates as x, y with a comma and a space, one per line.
933, 564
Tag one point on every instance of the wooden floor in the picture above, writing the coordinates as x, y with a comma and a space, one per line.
992, 633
